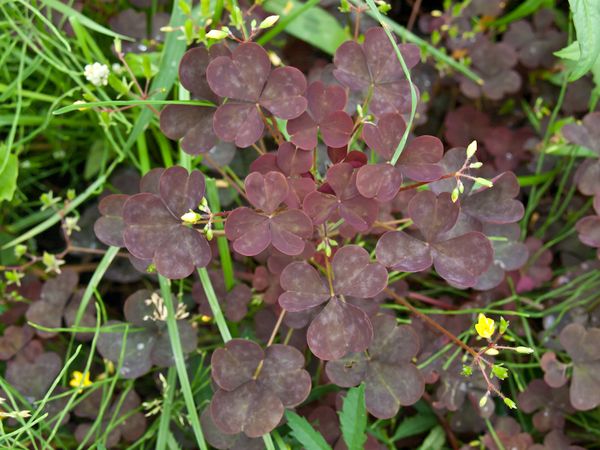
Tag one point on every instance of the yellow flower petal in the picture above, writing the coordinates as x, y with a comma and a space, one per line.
485, 327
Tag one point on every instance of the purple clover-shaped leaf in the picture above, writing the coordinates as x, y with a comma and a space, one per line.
253, 231
222, 441
537, 42
154, 229
14, 339
465, 125
454, 390
32, 372
509, 433
109, 227
374, 66
145, 335
234, 303
379, 181
131, 422
339, 327
295, 164
494, 63
345, 201
391, 379
587, 134
247, 81
587, 176
459, 260
55, 295
496, 204
582, 347
325, 113
419, 159
509, 254
508, 147
193, 123
556, 440
550, 405
255, 386
589, 227
554, 370
384, 137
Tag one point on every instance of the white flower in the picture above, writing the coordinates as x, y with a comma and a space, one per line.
97, 74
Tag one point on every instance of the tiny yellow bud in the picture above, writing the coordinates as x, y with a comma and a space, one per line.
205, 319
485, 327
471, 149
190, 217
524, 350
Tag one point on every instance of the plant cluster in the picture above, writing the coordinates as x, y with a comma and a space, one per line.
408, 232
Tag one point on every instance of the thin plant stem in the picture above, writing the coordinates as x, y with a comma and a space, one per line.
184, 380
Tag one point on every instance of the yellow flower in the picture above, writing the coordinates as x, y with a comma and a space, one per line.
80, 380
485, 327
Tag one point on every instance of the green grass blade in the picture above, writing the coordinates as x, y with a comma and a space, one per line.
212, 195
84, 20
119, 103
214, 305
165, 417
184, 380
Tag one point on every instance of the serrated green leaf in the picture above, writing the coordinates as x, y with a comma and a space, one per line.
586, 17
570, 52
434, 440
304, 433
353, 418
8, 178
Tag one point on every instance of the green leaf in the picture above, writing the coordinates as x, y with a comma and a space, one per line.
8, 178
306, 22
503, 325
305, 433
500, 372
586, 17
570, 52
353, 418
414, 425
434, 440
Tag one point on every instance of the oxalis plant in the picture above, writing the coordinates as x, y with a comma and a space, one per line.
384, 250
344, 200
